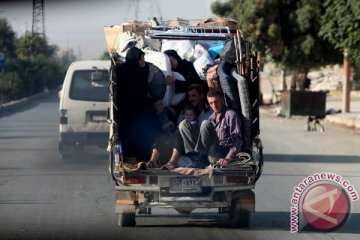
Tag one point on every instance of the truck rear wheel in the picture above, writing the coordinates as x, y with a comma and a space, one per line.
239, 216
65, 152
126, 220
66, 156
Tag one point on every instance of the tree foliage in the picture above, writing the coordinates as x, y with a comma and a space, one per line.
32, 45
341, 26
285, 30
7, 39
31, 65
10, 86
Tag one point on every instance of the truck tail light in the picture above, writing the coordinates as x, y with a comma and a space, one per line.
124, 201
247, 200
236, 179
63, 116
134, 179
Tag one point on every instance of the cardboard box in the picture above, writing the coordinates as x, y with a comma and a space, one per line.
112, 32
178, 22
216, 22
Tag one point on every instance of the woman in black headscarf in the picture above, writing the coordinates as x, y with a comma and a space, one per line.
138, 125
187, 69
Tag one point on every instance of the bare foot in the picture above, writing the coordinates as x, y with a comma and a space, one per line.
171, 165
152, 164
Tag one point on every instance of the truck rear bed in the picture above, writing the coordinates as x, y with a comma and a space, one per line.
230, 189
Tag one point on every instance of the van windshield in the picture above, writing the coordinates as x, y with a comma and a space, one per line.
82, 88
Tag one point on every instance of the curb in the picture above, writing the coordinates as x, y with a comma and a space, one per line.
346, 119
349, 120
14, 105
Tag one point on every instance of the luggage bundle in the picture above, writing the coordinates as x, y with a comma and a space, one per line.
113, 33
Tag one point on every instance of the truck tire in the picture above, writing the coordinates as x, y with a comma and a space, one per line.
126, 220
64, 152
65, 156
239, 217
229, 86
245, 104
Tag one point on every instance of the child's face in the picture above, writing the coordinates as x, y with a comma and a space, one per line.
158, 106
190, 115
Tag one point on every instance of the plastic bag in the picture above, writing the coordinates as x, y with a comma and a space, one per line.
184, 48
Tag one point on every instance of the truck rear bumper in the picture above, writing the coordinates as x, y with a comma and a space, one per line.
246, 200
156, 188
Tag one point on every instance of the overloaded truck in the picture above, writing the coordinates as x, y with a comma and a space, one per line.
229, 189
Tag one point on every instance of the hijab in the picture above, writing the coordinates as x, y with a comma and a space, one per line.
173, 53
134, 80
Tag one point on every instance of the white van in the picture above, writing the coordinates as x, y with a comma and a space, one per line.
84, 104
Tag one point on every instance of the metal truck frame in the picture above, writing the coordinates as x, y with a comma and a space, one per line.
228, 189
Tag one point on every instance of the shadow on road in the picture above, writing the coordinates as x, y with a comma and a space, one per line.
274, 221
98, 157
29, 103
17, 109
351, 226
311, 158
259, 221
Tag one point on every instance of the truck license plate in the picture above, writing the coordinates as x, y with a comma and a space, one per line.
185, 185
98, 118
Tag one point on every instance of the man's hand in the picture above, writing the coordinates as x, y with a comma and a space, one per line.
223, 161
170, 80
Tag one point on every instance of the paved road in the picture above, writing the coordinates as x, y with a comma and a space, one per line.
42, 197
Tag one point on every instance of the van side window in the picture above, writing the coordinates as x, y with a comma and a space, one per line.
82, 88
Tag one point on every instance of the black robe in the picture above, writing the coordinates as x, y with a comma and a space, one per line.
138, 125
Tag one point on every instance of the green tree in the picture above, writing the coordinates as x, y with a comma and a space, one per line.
7, 39
10, 86
37, 64
341, 26
30, 45
31, 65
284, 30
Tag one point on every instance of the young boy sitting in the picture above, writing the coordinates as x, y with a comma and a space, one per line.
191, 115
165, 115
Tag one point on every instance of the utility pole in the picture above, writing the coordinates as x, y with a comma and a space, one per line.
283, 86
346, 84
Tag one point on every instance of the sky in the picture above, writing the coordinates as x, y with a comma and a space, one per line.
78, 24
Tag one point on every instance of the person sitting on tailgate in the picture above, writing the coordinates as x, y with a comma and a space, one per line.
165, 115
218, 140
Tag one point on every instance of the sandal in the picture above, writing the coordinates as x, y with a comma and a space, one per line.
152, 164
169, 166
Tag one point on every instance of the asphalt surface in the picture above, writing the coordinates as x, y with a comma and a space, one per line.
43, 197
